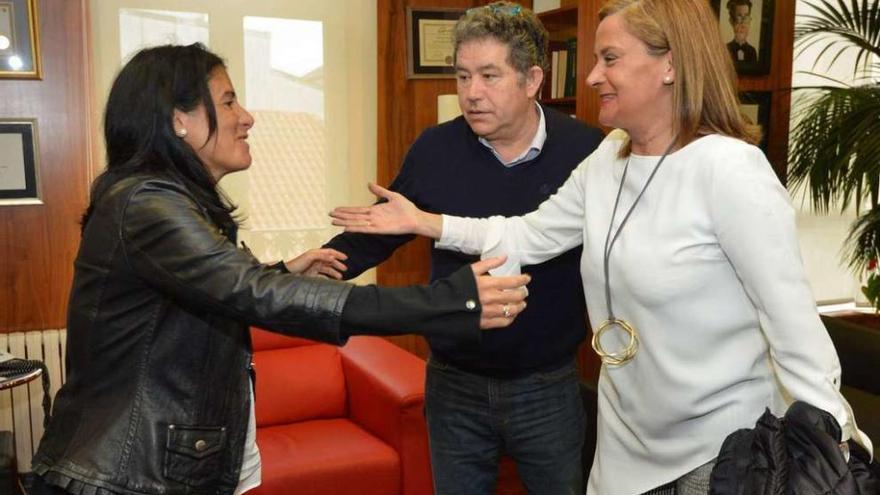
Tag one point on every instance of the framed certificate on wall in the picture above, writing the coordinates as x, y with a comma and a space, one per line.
429, 36
19, 171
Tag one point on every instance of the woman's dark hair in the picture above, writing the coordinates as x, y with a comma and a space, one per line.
138, 126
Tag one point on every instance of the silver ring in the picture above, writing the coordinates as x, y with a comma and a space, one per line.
506, 310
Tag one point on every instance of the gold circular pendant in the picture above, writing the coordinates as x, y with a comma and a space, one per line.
619, 357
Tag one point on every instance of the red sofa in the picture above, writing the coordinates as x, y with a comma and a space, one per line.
340, 420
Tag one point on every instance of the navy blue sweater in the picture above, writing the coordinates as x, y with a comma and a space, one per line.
447, 170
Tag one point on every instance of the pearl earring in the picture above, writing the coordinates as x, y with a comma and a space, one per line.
181, 133
667, 80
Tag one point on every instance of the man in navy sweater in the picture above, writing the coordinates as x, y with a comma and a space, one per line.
516, 391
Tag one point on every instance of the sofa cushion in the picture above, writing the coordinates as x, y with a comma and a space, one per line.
264, 340
326, 457
299, 383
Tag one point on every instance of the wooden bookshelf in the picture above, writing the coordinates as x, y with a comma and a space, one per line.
575, 19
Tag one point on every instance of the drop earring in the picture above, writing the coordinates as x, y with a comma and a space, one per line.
181, 133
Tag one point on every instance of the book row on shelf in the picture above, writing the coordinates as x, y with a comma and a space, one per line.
563, 70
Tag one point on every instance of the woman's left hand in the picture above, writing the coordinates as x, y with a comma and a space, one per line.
326, 261
395, 215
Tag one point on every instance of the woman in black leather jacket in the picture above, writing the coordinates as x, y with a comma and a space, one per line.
158, 392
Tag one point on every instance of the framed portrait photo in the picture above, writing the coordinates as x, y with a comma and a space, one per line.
19, 40
19, 170
429, 36
747, 30
755, 105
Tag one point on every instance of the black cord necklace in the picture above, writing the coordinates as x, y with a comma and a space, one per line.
626, 354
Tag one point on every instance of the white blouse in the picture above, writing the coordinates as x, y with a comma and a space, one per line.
250, 476
707, 269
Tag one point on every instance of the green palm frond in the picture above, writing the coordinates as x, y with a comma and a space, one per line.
835, 145
863, 240
844, 26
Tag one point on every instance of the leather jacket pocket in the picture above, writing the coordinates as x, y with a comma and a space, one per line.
192, 454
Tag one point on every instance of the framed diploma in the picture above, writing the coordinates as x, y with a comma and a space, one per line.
19, 40
430, 42
19, 175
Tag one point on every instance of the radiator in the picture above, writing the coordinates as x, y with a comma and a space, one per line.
21, 408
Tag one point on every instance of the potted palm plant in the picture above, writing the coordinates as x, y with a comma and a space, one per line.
835, 143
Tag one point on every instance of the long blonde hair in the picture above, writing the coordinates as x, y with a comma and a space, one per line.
704, 94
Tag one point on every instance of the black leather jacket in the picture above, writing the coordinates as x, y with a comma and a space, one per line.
158, 351
794, 455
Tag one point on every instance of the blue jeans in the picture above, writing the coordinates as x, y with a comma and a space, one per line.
472, 420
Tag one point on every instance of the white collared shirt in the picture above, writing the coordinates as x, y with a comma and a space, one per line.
534, 148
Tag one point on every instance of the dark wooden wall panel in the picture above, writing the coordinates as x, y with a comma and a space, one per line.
778, 83
38, 242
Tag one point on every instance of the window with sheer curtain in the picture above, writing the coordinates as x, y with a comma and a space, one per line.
305, 70
284, 75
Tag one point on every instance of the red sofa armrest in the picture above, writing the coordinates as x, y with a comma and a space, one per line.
386, 394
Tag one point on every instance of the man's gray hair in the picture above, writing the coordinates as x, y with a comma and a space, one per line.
509, 23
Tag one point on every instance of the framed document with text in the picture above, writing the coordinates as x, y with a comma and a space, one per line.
19, 170
429, 42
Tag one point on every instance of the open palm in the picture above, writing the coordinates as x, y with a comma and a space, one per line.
393, 214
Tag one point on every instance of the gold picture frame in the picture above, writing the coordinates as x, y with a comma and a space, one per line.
19, 40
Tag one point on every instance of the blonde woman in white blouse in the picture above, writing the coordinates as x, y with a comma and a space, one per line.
690, 251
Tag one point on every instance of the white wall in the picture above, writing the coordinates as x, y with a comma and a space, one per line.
822, 236
545, 5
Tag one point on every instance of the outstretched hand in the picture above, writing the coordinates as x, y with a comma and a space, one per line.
326, 261
501, 298
394, 214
